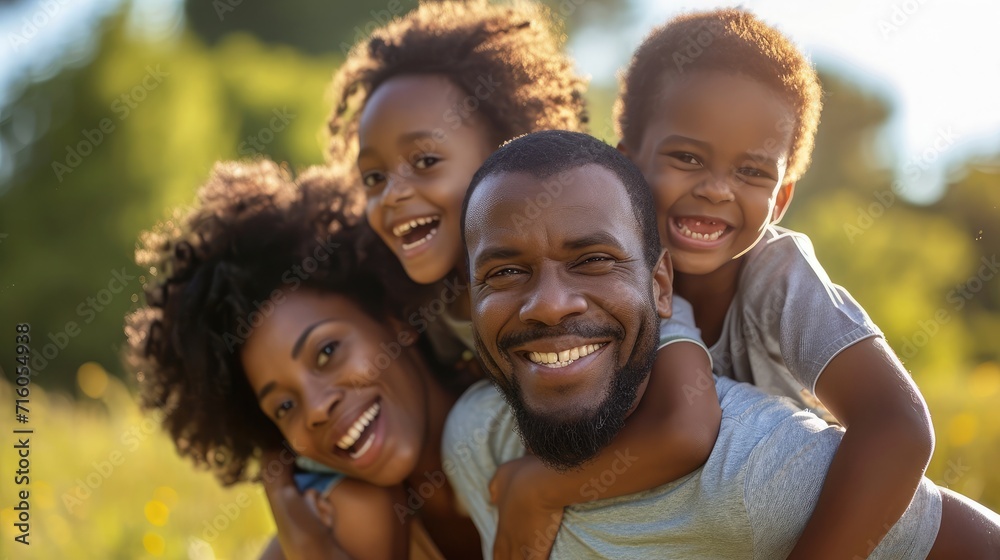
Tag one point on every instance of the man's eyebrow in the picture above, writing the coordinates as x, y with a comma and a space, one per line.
597, 238
495, 253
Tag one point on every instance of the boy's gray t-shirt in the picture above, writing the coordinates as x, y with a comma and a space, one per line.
751, 499
787, 320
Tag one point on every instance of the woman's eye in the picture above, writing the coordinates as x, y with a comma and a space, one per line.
325, 354
425, 162
283, 409
372, 178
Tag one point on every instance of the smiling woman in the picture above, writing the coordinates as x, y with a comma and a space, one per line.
259, 337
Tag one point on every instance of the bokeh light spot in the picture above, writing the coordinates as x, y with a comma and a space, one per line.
154, 544
167, 495
984, 381
157, 512
962, 429
93, 380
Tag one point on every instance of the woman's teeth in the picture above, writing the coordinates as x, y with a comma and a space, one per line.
701, 236
563, 358
355, 431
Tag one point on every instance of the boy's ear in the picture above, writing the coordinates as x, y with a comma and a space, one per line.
663, 280
782, 200
621, 148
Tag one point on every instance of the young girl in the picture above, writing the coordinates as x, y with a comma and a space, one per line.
419, 107
722, 135
261, 323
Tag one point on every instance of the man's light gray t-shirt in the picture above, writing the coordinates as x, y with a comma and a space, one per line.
751, 499
787, 320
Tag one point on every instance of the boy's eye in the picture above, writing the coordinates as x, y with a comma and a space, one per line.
425, 161
757, 176
283, 409
686, 158
372, 178
326, 353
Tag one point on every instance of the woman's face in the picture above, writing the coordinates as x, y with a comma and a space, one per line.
421, 140
342, 387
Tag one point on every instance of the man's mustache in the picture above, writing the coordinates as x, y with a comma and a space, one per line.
574, 328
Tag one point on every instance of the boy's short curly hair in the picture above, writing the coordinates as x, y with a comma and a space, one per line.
517, 46
729, 40
253, 237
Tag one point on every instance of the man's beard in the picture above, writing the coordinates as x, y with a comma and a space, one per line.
563, 443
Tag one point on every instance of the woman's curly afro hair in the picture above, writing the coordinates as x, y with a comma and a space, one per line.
253, 236
517, 46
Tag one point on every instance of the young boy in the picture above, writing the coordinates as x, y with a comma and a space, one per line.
722, 132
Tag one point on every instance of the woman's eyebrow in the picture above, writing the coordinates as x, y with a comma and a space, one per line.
305, 334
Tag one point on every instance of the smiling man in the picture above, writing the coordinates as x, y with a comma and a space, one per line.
565, 311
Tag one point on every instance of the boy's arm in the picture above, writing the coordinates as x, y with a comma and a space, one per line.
670, 434
880, 461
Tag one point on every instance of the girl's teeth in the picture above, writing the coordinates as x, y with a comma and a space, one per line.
403, 229
421, 241
355, 431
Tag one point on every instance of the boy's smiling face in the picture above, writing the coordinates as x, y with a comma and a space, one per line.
714, 151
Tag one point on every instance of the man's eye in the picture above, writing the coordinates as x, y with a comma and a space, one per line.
425, 161
326, 353
596, 263
373, 178
503, 272
283, 409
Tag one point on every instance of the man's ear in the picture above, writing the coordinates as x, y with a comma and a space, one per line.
663, 289
782, 200
406, 334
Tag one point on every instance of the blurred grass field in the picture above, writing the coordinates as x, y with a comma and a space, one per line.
105, 481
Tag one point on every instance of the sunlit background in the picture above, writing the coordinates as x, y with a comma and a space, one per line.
112, 113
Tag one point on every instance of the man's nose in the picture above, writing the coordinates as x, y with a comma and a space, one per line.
553, 299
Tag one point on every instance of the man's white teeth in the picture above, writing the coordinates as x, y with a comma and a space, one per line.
403, 229
564, 357
421, 241
702, 236
355, 431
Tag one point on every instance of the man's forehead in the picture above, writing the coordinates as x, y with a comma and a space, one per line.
525, 203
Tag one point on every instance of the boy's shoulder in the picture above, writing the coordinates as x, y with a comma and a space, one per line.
783, 257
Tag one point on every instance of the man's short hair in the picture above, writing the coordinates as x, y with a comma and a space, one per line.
548, 153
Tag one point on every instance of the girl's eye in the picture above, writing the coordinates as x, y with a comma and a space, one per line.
372, 178
425, 162
282, 409
325, 353
751, 172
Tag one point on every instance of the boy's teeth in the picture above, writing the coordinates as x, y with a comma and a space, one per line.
403, 229
564, 357
358, 428
421, 241
701, 236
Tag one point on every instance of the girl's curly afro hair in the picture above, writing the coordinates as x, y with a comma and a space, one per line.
254, 235
517, 46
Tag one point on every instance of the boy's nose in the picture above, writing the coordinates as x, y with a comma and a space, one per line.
716, 189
